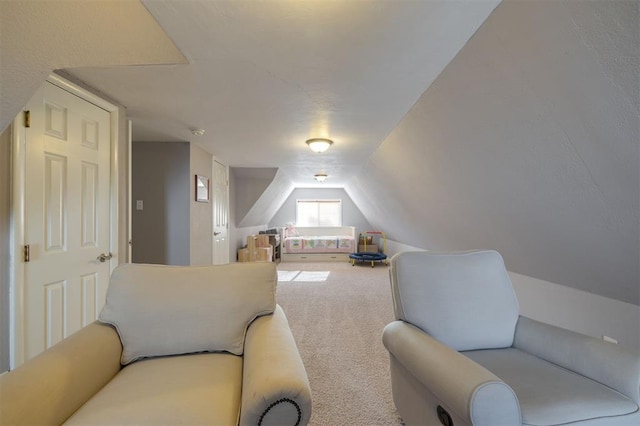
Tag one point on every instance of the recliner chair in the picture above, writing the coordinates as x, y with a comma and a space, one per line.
461, 354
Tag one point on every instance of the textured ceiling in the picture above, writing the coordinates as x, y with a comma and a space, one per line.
265, 76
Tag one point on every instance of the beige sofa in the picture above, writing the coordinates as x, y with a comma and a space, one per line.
174, 345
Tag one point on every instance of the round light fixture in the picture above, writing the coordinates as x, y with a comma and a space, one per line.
197, 132
320, 177
319, 144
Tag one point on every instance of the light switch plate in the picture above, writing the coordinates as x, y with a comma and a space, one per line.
139, 205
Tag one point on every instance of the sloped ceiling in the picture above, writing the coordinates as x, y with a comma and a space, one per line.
269, 201
527, 143
37, 37
265, 76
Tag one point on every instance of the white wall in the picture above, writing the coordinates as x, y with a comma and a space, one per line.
251, 183
578, 310
565, 307
262, 209
238, 235
201, 222
526, 143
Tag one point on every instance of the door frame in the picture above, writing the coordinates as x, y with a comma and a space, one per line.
17, 221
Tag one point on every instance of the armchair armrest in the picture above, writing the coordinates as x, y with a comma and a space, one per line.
469, 390
607, 363
275, 387
49, 388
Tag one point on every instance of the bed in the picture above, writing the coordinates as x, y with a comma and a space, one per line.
318, 243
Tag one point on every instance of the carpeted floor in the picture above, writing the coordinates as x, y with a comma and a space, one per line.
337, 324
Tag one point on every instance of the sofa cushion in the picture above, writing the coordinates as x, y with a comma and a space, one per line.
549, 394
167, 310
463, 299
199, 389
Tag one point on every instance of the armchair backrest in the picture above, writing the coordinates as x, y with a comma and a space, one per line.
163, 310
464, 299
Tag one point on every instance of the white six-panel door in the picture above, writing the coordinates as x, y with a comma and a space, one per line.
67, 227
220, 214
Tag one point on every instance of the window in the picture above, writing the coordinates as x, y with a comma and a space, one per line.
319, 212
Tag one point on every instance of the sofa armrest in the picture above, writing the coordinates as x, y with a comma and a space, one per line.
607, 363
275, 387
470, 391
49, 388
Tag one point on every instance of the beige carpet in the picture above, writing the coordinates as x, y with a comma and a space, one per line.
338, 325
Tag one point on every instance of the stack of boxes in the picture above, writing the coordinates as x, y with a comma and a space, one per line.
258, 249
366, 244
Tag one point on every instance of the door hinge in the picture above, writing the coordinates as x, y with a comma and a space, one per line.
26, 256
27, 118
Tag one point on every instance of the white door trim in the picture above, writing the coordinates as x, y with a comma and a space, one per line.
129, 243
16, 229
16, 274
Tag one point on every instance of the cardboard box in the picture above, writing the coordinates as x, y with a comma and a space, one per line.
251, 243
262, 240
259, 254
243, 255
365, 238
371, 248
264, 254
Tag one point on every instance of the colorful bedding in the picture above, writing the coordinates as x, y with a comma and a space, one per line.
320, 244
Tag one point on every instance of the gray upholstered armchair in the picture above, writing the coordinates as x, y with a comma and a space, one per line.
461, 354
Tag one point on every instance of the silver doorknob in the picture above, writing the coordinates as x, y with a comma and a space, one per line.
104, 257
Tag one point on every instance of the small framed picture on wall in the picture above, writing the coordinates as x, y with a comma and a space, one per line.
202, 189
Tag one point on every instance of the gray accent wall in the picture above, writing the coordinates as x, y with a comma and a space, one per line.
351, 214
201, 215
527, 143
161, 179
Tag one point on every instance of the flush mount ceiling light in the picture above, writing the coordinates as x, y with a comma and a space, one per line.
319, 144
320, 177
197, 132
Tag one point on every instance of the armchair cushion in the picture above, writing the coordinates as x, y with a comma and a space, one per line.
464, 300
199, 389
144, 304
550, 394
